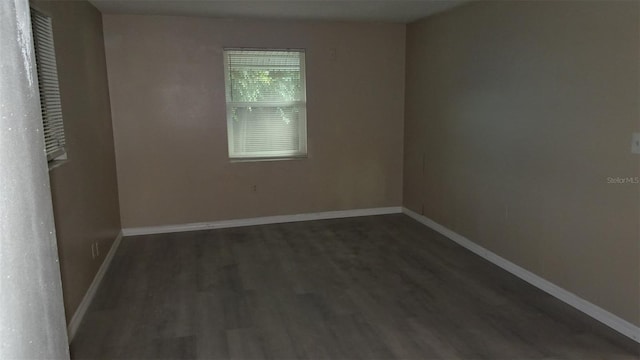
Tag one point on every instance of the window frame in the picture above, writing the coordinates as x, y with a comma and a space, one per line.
302, 152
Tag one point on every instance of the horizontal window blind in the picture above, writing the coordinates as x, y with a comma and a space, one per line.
266, 103
48, 85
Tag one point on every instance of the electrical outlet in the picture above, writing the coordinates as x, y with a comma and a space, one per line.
635, 143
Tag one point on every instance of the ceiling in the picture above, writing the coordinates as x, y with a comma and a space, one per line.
399, 11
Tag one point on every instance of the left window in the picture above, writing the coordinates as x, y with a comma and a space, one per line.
47, 70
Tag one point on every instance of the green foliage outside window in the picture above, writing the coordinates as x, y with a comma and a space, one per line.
255, 86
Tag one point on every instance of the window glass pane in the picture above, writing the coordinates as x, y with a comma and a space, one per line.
250, 85
266, 129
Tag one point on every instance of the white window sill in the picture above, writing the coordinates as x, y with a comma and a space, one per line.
57, 163
284, 158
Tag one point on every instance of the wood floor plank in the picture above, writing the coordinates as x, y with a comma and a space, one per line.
245, 344
267, 317
379, 287
210, 328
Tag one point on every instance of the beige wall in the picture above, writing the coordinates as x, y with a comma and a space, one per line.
166, 81
85, 194
522, 110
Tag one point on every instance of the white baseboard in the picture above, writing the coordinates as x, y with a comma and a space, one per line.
616, 323
260, 221
74, 324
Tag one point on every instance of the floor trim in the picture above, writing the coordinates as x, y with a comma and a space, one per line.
260, 221
616, 323
77, 317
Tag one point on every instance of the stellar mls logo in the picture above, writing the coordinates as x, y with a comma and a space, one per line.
623, 180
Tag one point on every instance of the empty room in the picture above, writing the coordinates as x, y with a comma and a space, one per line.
304, 179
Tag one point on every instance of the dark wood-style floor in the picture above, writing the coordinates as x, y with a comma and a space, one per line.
382, 287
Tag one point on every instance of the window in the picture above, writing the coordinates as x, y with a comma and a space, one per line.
266, 103
47, 70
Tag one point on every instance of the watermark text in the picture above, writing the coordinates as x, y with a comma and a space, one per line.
623, 180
